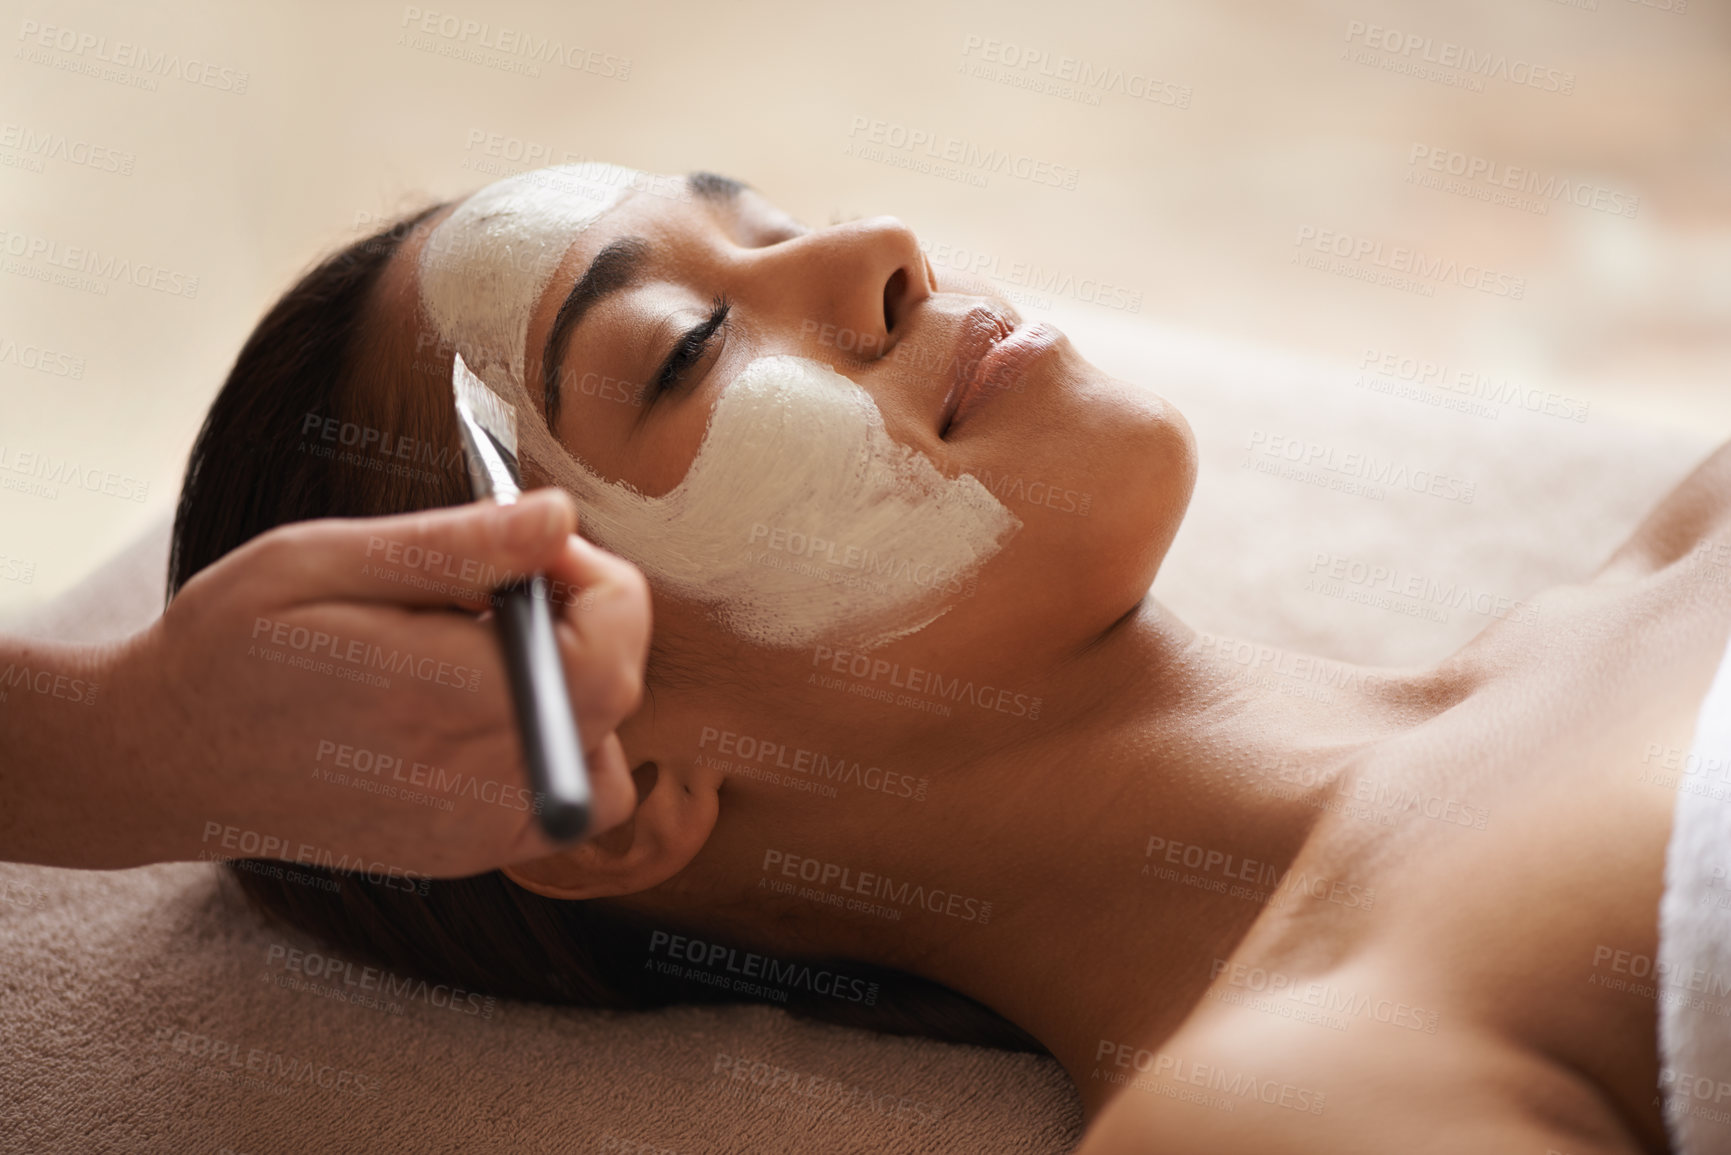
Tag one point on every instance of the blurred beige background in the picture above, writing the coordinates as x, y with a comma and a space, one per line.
1210, 149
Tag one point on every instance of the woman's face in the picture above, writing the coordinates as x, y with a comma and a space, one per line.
660, 303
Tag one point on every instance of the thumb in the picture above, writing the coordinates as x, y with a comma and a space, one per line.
434, 557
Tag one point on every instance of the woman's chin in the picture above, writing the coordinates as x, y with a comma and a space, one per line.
1143, 474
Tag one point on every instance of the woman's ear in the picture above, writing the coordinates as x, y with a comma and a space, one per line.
670, 825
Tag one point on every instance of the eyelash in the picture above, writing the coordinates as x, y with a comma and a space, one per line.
689, 349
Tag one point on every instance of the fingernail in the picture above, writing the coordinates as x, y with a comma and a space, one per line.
530, 522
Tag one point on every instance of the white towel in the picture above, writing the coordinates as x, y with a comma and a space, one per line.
1695, 948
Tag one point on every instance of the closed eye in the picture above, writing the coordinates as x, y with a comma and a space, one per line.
689, 349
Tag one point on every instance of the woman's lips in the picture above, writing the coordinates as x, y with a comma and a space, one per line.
991, 358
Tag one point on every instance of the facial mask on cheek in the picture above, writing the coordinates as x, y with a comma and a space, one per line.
799, 520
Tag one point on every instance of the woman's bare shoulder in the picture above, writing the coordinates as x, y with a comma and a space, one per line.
1257, 1084
1691, 524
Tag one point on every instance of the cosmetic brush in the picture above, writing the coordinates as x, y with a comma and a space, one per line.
524, 611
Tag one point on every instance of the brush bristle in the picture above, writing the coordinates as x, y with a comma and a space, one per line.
496, 415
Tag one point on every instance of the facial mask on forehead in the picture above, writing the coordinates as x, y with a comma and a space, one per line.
485, 266
800, 519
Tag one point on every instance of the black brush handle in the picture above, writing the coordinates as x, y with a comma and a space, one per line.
551, 748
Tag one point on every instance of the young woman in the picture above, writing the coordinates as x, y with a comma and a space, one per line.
917, 725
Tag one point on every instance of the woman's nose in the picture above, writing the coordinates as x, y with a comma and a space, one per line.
856, 284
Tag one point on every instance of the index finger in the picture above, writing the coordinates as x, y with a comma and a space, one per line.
454, 555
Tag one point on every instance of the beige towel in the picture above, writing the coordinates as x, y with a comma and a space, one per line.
147, 1010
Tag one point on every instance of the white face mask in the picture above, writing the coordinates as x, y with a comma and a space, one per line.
799, 520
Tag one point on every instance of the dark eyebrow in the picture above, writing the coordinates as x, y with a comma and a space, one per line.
614, 268
716, 189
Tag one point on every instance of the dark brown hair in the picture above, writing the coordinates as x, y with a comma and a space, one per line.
323, 359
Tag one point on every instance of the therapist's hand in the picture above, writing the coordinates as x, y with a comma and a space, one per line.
315, 696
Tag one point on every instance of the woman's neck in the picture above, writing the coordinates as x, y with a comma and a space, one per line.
1123, 849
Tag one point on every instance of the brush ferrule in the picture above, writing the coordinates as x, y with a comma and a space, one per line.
488, 427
